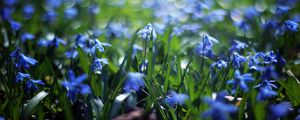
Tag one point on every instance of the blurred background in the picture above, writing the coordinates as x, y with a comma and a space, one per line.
258, 22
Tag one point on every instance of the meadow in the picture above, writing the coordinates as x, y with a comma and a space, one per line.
149, 59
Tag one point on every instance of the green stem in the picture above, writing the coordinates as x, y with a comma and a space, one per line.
242, 106
184, 74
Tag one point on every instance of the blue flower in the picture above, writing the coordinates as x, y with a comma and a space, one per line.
186, 27
160, 27
14, 25
177, 31
134, 82
191, 27
219, 64
6, 13
280, 110
49, 16
261, 59
145, 33
201, 50
265, 93
94, 9
31, 85
51, 4
271, 25
257, 61
238, 60
291, 25
266, 90
269, 72
298, 116
24, 61
209, 41
81, 40
237, 46
205, 47
70, 13
98, 64
9, 2
242, 25
281, 10
2, 118
90, 45
270, 57
21, 76
99, 45
75, 85
28, 11
290, 3
21, 60
71, 54
96, 33
56, 42
280, 60
176, 98
241, 81
43, 42
15, 53
27, 36
217, 109
215, 16
267, 84
117, 29
250, 13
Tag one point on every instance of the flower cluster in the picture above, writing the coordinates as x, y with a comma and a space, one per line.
204, 59
30, 84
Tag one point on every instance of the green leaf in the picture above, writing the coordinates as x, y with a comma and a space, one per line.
292, 87
29, 107
259, 111
132, 100
114, 69
96, 105
3, 105
175, 45
117, 104
84, 61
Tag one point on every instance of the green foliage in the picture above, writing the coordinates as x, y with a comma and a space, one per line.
169, 63
32, 103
